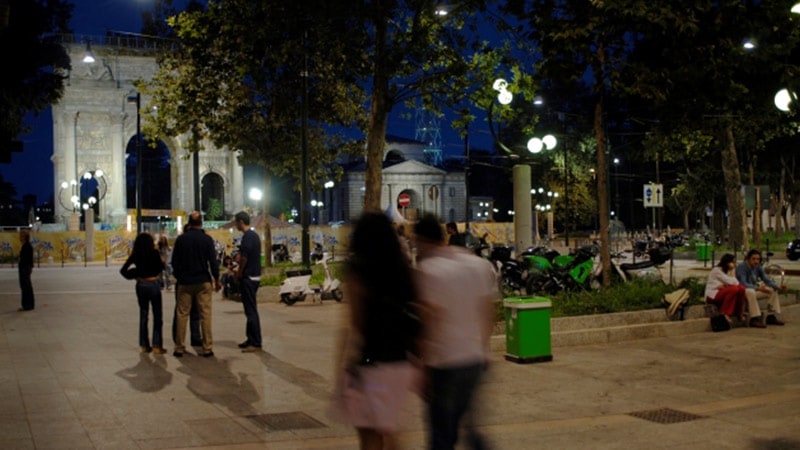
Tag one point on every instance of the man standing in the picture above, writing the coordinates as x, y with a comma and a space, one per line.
457, 291
25, 269
759, 286
195, 266
249, 278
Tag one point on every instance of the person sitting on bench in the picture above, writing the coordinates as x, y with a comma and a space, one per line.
759, 286
724, 290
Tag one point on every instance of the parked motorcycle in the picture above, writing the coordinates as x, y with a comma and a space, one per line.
296, 288
571, 272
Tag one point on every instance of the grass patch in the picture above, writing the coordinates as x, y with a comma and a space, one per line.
635, 295
273, 276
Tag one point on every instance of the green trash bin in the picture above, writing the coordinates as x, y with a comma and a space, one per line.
703, 251
527, 329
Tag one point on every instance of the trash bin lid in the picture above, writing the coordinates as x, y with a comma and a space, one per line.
527, 302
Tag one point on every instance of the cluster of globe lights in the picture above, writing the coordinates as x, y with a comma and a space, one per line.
535, 144
75, 200
547, 206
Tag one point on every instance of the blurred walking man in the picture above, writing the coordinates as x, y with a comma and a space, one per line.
457, 291
195, 266
249, 278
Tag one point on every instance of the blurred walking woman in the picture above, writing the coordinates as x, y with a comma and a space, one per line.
148, 266
375, 373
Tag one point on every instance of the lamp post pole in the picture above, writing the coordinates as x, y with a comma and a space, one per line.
138, 163
466, 178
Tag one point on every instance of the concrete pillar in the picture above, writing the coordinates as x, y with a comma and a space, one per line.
523, 216
88, 216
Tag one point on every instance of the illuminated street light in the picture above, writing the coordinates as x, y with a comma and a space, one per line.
536, 145
783, 99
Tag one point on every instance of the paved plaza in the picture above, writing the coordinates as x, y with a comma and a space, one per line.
71, 376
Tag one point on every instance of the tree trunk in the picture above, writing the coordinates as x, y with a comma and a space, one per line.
265, 216
379, 111
737, 229
602, 169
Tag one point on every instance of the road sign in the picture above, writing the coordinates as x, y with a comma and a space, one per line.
404, 200
653, 195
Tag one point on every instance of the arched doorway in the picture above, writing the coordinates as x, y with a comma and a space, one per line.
156, 181
212, 194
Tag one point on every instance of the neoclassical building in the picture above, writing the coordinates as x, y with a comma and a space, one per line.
95, 143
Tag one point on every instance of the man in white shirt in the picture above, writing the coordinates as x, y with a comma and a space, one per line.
457, 292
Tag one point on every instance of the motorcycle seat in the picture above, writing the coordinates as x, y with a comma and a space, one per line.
637, 266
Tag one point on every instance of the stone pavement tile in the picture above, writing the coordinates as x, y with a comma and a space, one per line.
186, 409
112, 439
53, 423
50, 402
16, 444
13, 427
171, 442
39, 386
221, 431
72, 441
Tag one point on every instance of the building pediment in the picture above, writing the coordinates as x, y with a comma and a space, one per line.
413, 167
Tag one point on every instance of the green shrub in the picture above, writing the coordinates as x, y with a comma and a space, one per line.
631, 296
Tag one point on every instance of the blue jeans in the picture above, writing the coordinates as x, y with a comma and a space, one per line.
149, 294
248, 290
451, 393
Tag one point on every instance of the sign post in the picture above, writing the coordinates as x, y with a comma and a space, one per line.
653, 196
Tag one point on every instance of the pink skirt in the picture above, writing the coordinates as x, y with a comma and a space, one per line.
375, 398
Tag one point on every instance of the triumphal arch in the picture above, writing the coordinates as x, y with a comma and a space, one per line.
95, 144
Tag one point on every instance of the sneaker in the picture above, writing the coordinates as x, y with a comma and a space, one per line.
757, 323
145, 349
177, 354
772, 320
252, 349
207, 354
159, 350
244, 344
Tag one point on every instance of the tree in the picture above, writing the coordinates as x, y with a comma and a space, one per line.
584, 46
29, 36
416, 50
258, 78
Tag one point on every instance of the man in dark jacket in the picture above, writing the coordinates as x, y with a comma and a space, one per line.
25, 269
249, 278
195, 266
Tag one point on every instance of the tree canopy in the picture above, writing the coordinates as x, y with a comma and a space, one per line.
29, 36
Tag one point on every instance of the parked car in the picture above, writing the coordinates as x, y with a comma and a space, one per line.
793, 250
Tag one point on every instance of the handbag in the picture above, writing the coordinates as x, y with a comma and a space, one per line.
719, 323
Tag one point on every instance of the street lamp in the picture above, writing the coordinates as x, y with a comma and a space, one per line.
521, 175
317, 204
785, 97
328, 186
255, 195
137, 100
616, 186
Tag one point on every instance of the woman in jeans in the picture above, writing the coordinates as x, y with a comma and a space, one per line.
147, 268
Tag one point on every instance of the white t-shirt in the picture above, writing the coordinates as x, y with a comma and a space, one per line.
458, 288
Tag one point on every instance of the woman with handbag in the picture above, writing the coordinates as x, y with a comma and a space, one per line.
376, 373
724, 290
